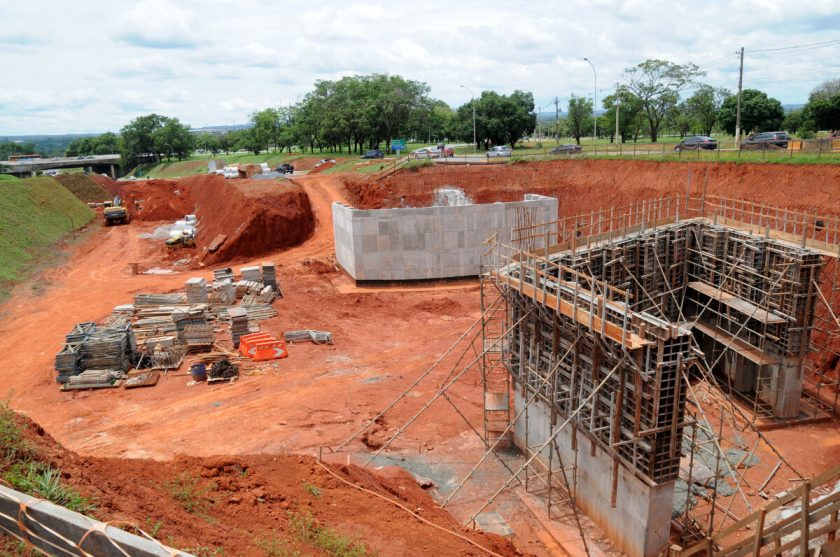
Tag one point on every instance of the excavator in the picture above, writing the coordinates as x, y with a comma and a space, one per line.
116, 213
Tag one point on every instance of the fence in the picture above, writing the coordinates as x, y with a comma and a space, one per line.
816, 150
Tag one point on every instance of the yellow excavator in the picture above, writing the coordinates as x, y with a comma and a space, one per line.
116, 213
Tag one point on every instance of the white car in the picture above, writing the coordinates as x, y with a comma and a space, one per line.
499, 151
426, 152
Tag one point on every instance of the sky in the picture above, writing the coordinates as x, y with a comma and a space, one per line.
93, 65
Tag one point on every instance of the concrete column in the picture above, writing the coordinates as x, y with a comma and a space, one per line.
113, 172
641, 521
788, 383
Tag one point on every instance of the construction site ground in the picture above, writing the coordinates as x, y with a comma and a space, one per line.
385, 337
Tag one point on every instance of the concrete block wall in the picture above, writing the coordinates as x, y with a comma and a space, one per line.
426, 242
640, 523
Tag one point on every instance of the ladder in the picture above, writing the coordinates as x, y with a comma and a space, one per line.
494, 372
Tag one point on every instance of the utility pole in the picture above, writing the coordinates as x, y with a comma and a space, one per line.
617, 110
738, 109
557, 119
594, 106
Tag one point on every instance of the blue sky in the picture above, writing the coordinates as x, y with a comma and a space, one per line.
93, 65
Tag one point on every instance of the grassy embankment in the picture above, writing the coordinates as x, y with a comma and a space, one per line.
34, 215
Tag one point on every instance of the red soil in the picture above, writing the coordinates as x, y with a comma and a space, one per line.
257, 216
106, 182
250, 500
585, 185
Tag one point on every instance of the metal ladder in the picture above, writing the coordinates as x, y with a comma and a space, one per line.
494, 372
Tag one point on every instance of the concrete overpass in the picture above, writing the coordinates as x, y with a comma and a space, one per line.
101, 164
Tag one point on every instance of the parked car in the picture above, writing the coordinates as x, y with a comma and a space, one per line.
696, 142
425, 152
566, 149
766, 139
373, 154
285, 168
499, 151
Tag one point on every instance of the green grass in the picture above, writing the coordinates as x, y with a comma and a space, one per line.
8, 178
41, 480
191, 493
20, 467
309, 532
83, 187
13, 445
34, 214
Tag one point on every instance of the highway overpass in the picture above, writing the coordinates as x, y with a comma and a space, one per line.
101, 164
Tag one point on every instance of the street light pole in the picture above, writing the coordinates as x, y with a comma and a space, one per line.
594, 104
473, 107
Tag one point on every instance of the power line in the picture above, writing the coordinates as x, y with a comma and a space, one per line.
796, 47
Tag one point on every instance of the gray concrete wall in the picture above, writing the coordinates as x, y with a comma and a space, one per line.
426, 242
641, 521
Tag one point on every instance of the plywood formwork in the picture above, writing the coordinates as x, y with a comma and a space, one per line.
612, 315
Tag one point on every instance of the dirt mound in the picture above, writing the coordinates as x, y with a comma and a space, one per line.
106, 182
256, 216
156, 200
252, 216
585, 185
260, 504
84, 186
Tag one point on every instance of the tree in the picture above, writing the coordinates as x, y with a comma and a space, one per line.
9, 148
209, 142
679, 119
499, 119
793, 121
173, 138
822, 112
629, 112
704, 105
758, 112
827, 89
580, 113
265, 126
138, 143
657, 84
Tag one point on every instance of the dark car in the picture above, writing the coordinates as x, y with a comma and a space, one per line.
285, 168
566, 149
696, 142
763, 140
373, 154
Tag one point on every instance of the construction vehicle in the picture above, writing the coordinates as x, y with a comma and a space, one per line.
183, 239
116, 213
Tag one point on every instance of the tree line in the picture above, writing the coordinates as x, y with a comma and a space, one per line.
361, 112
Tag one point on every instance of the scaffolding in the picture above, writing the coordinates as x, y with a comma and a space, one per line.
662, 334
735, 297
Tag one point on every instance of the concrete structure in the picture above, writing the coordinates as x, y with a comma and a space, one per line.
100, 164
601, 330
640, 522
428, 242
50, 528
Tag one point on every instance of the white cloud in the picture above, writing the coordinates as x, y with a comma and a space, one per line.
214, 61
157, 24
